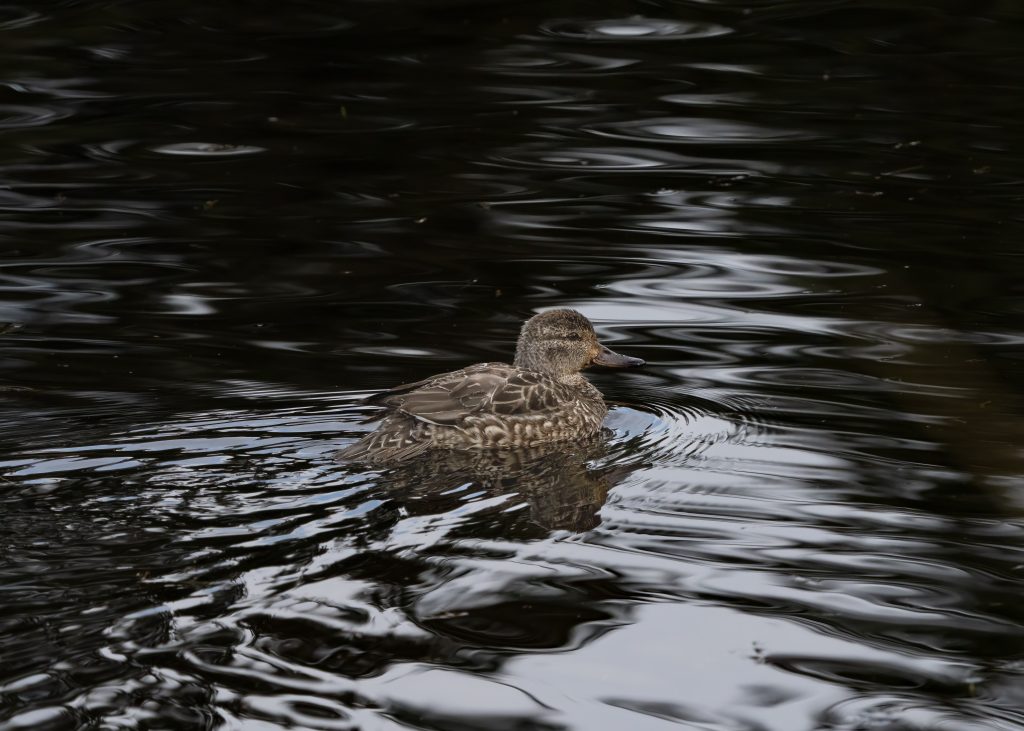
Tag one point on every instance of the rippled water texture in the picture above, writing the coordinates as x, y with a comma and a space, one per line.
222, 227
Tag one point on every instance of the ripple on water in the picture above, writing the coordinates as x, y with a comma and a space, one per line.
665, 432
632, 29
537, 95
598, 158
696, 130
705, 274
111, 150
207, 149
13, 17
19, 116
531, 61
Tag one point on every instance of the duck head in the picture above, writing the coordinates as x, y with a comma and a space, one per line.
561, 343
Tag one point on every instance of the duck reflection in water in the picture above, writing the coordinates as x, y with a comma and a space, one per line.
536, 422
555, 488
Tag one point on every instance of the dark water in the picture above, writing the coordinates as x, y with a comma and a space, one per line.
222, 225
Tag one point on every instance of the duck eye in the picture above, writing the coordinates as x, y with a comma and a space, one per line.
573, 336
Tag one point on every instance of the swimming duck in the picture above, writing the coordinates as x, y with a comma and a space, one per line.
541, 398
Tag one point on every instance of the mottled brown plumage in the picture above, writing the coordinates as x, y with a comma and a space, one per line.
540, 398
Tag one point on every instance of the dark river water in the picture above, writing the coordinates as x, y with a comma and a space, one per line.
223, 225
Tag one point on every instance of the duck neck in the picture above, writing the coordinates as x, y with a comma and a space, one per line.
540, 365
530, 359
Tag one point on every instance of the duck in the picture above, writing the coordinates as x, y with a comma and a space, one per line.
558, 485
541, 398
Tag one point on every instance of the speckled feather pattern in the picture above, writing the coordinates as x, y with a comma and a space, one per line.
489, 405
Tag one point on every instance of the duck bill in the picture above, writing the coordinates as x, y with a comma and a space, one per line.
611, 359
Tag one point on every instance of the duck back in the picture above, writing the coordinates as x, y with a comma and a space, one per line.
485, 406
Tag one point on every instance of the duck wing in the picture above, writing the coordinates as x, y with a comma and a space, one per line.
487, 388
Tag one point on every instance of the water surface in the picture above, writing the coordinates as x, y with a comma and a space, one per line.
220, 230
